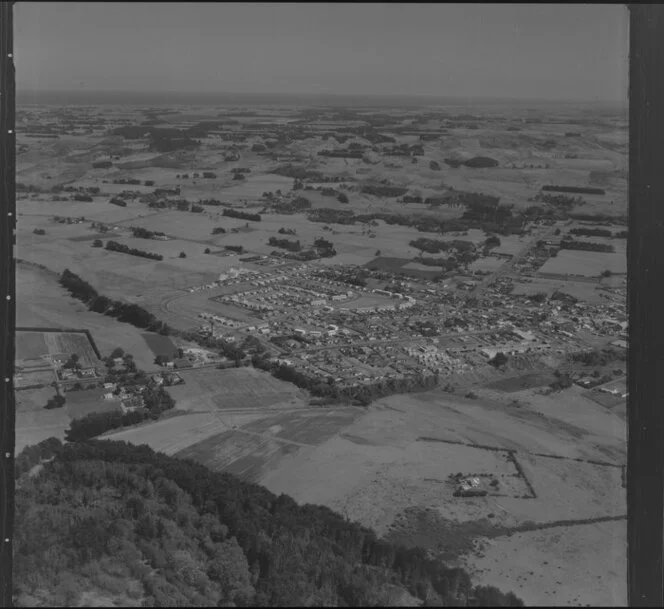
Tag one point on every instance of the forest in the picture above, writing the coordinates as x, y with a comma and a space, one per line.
136, 527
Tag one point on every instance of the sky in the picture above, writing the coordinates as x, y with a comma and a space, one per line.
527, 51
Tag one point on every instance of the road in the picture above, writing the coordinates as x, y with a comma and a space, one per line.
508, 267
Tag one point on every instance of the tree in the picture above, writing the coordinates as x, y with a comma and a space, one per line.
57, 401
556, 232
117, 352
97, 243
499, 360
207, 250
182, 255
377, 253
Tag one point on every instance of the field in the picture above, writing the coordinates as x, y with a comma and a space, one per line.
260, 445
33, 422
588, 264
55, 308
35, 377
553, 530
527, 381
378, 472
213, 390
36, 345
82, 403
30, 345
160, 345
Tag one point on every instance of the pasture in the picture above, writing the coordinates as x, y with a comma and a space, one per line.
519, 383
212, 390
160, 345
36, 345
376, 470
586, 264
88, 401
33, 422
54, 307
174, 434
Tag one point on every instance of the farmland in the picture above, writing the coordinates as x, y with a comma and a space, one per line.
587, 264
210, 390
556, 458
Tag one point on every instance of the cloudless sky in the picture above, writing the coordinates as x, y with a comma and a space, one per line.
547, 51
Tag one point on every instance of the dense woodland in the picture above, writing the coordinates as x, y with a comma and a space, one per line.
138, 527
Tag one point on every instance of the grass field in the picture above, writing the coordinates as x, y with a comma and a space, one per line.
37, 377
82, 403
35, 345
177, 433
209, 389
33, 422
53, 307
574, 566
527, 381
68, 343
376, 471
30, 345
588, 264
160, 345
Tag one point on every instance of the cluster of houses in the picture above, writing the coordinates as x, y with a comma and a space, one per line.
130, 398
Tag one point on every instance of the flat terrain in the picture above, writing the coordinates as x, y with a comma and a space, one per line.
552, 529
589, 264
210, 390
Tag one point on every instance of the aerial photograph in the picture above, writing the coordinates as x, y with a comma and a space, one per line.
320, 304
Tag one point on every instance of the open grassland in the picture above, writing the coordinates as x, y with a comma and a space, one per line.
33, 377
587, 264
88, 401
33, 422
42, 302
174, 434
211, 390
259, 446
379, 468
566, 566
247, 456
30, 345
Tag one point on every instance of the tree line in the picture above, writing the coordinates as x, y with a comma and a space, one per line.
241, 215
144, 233
287, 244
122, 311
588, 246
114, 246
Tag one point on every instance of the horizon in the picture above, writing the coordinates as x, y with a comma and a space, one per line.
512, 52
210, 97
